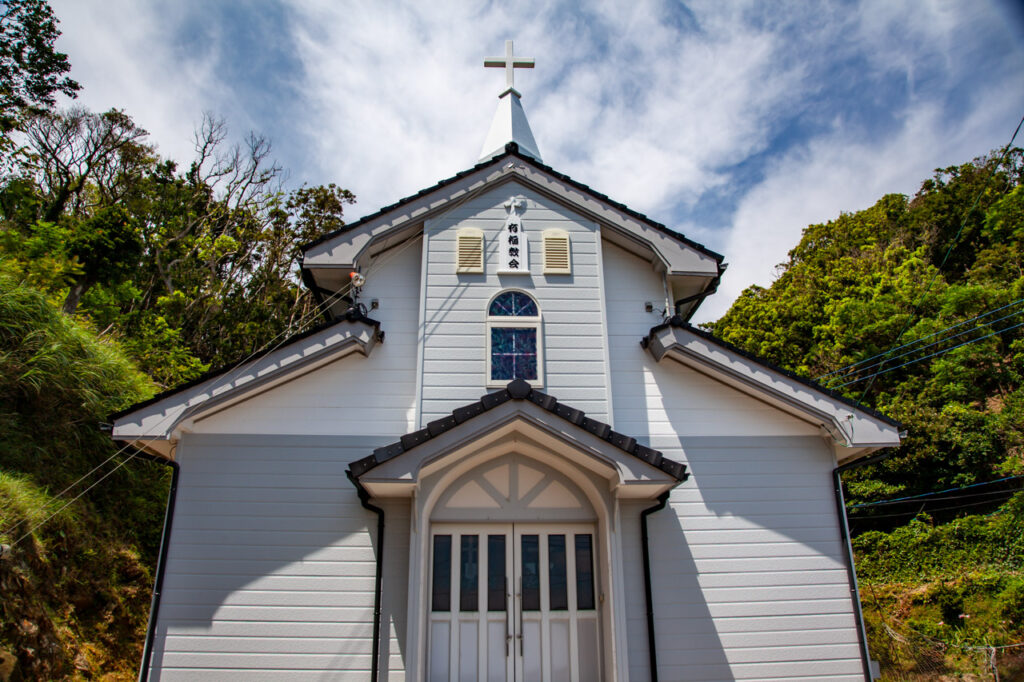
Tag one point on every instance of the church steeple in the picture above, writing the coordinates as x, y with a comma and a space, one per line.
509, 124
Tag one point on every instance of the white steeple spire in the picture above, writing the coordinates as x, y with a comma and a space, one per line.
509, 124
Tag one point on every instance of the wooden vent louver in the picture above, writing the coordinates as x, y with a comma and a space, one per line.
469, 257
557, 259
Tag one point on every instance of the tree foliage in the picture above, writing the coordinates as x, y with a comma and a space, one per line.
31, 71
190, 268
878, 305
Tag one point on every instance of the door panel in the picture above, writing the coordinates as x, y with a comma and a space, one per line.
513, 603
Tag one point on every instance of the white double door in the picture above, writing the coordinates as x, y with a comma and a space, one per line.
513, 603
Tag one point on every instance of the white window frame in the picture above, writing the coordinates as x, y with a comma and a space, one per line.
510, 322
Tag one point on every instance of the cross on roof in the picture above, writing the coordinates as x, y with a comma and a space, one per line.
508, 62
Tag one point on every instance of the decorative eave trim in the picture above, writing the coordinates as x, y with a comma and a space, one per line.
158, 417
414, 209
519, 390
856, 430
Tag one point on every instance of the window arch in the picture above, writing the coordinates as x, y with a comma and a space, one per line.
514, 348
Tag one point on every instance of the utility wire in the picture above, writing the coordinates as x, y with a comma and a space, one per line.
842, 370
958, 497
937, 492
956, 238
314, 312
933, 343
938, 509
932, 355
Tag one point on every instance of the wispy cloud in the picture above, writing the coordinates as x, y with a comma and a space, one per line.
125, 55
738, 123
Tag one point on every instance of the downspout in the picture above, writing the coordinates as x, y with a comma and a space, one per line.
652, 651
161, 562
364, 499
851, 570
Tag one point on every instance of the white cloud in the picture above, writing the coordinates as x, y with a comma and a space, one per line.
836, 174
121, 53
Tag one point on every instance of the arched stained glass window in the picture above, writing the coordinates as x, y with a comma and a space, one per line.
513, 304
513, 339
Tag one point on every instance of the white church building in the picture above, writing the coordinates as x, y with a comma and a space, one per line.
506, 455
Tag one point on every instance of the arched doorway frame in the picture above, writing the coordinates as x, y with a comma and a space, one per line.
439, 475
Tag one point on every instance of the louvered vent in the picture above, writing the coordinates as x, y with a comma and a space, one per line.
470, 251
556, 253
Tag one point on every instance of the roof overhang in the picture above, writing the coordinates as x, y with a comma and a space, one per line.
519, 419
155, 424
854, 431
328, 262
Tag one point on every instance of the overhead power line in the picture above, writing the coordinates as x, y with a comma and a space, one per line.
956, 238
842, 370
932, 494
931, 355
1008, 491
930, 345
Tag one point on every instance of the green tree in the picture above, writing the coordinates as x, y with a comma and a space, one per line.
899, 272
31, 71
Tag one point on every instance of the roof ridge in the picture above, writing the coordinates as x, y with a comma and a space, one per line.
512, 150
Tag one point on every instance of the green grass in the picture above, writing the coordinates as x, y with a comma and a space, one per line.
76, 589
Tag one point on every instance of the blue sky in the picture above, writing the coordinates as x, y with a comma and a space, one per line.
737, 123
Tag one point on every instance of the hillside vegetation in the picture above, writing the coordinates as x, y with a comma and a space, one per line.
121, 274
76, 587
915, 307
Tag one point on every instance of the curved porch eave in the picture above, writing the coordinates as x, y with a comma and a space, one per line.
522, 425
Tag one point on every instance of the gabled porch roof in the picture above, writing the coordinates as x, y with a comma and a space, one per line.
534, 418
153, 424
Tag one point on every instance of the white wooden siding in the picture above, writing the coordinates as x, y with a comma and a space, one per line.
747, 563
374, 395
657, 400
270, 568
748, 568
454, 362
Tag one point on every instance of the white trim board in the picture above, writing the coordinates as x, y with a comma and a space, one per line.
854, 433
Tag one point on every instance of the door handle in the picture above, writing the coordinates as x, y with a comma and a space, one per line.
520, 635
508, 633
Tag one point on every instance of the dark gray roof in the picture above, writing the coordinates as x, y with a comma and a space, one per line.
520, 390
351, 315
512, 149
679, 323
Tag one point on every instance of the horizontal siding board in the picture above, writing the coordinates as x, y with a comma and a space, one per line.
270, 544
342, 672
229, 494
276, 552
242, 567
265, 630
343, 582
281, 614
257, 661
272, 598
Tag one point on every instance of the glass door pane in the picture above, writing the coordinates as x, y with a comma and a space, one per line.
556, 622
469, 624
